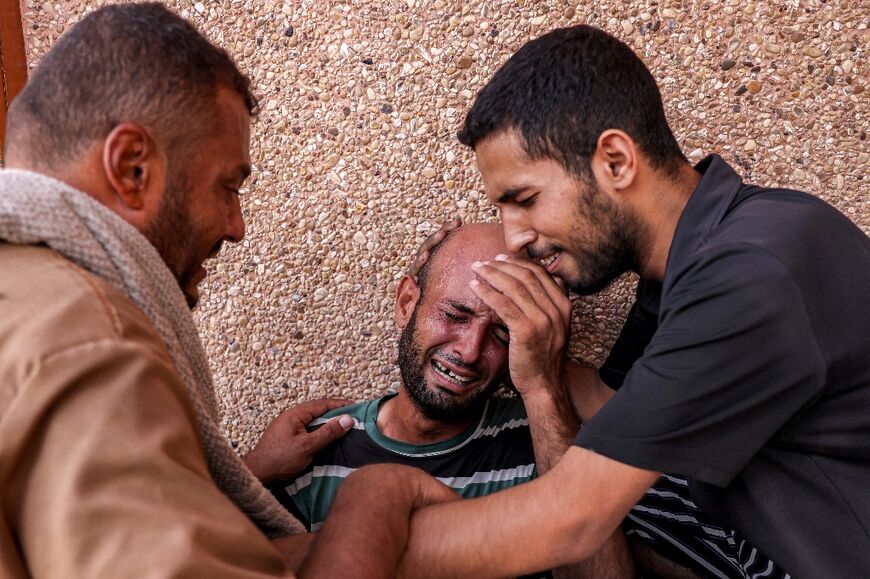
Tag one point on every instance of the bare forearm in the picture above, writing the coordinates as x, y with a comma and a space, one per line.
368, 524
612, 561
365, 533
258, 468
588, 392
562, 517
553, 423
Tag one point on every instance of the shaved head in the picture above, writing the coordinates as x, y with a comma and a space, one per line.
459, 249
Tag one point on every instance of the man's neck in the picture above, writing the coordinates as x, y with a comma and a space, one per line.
660, 211
400, 419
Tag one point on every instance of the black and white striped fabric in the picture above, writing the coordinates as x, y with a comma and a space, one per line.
668, 521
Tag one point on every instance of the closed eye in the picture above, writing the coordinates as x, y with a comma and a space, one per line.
454, 317
527, 201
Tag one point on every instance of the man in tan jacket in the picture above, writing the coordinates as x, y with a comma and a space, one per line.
125, 153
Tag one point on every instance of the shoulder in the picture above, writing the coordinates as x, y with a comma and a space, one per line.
787, 223
49, 303
51, 309
732, 264
356, 411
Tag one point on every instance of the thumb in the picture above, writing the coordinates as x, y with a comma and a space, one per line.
330, 432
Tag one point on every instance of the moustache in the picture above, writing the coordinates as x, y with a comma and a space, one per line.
536, 254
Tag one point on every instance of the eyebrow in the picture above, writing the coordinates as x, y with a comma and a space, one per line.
461, 307
510, 194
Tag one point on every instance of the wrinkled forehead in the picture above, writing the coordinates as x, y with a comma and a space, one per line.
452, 289
449, 282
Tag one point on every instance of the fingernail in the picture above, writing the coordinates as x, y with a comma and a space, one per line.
476, 265
345, 421
474, 283
501, 257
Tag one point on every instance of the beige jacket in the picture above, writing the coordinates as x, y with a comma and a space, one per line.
102, 473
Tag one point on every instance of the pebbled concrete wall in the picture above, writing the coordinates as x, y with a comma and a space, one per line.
356, 160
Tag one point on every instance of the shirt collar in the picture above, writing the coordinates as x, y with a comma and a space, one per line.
705, 210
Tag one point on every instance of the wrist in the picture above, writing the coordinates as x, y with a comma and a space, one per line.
541, 388
254, 462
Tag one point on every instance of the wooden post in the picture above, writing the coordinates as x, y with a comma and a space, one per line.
13, 61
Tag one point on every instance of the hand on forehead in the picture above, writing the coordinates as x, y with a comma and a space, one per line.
474, 242
450, 268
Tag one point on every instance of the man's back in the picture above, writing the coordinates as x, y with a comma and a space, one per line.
494, 453
96, 434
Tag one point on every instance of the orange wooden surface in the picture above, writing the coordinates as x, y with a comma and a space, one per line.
13, 61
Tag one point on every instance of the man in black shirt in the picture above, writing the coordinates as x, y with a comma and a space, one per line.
753, 379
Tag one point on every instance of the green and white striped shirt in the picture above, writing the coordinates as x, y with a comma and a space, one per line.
493, 454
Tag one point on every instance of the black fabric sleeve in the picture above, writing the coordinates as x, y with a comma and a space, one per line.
640, 325
734, 359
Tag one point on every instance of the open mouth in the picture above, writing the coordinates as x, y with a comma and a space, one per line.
450, 374
548, 260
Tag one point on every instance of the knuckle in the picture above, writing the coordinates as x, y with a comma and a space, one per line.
517, 284
528, 275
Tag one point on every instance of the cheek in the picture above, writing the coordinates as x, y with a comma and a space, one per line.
433, 333
497, 355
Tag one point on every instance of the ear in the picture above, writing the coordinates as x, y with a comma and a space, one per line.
135, 169
407, 295
615, 161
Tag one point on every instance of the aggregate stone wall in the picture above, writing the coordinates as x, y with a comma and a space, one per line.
356, 161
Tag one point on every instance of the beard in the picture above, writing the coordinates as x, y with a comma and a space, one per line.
432, 402
609, 248
172, 234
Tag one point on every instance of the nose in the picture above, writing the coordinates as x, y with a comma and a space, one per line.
470, 341
235, 230
517, 233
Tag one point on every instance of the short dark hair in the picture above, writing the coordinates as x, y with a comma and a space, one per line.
124, 63
562, 90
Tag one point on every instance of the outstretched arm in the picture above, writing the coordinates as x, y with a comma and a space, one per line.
367, 528
564, 516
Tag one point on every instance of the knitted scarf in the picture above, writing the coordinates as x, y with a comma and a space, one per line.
36, 209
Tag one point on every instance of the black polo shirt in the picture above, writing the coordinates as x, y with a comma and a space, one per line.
753, 379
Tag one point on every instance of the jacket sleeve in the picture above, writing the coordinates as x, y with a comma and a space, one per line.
110, 476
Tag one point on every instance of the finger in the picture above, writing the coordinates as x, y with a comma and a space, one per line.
502, 305
521, 286
555, 287
539, 285
314, 408
329, 432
